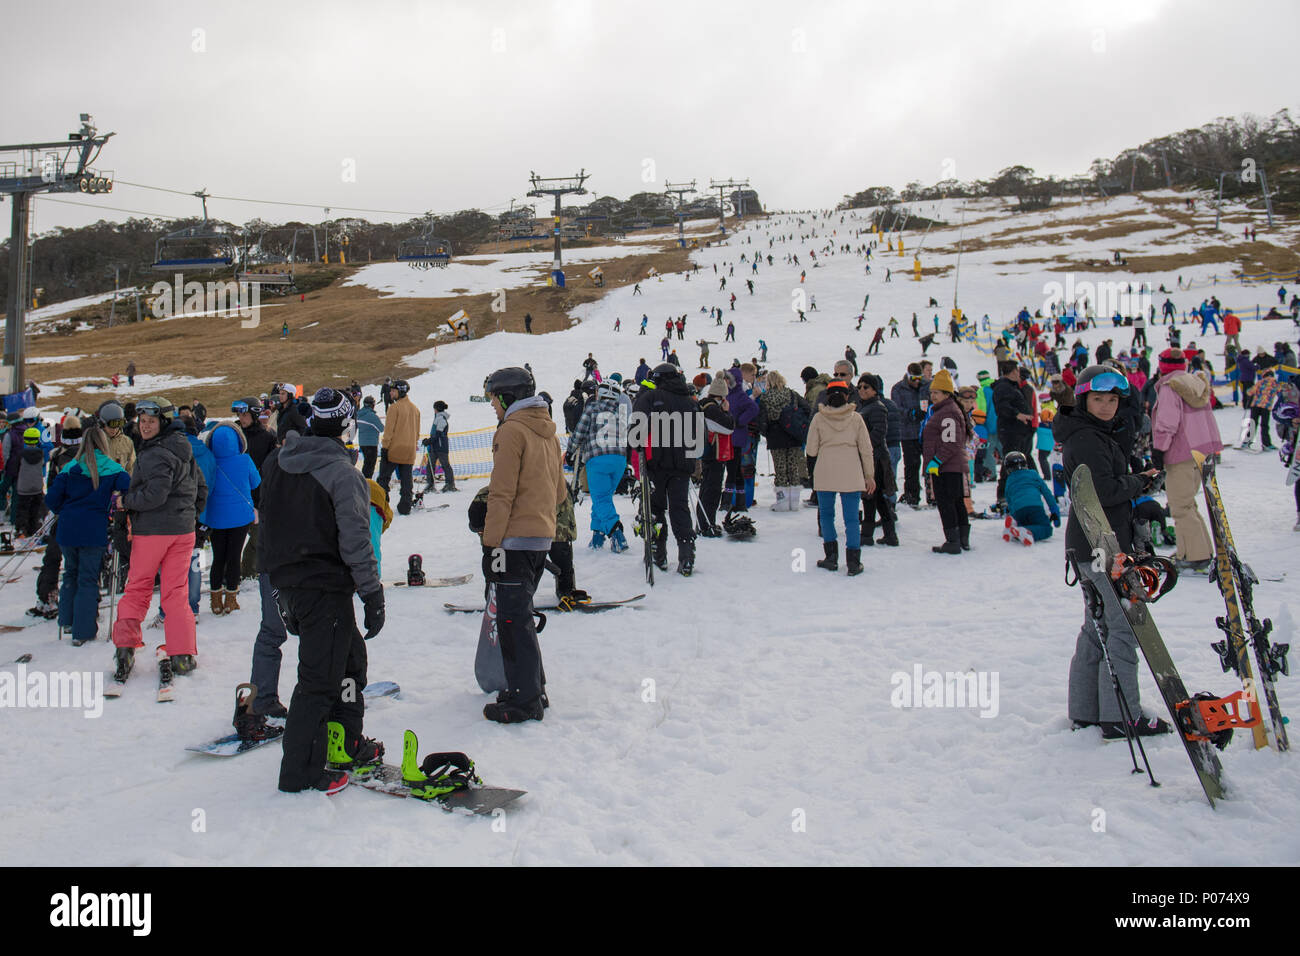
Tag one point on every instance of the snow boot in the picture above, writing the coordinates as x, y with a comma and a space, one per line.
248, 725
891, 535
832, 560
597, 541
231, 603
1026, 537
507, 711
183, 664
661, 548
855, 561
125, 659
617, 540
1142, 727
330, 782
1010, 530
685, 559
951, 544
360, 754
46, 609
964, 537
218, 601
781, 503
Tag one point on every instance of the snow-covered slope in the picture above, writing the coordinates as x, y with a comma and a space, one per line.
705, 724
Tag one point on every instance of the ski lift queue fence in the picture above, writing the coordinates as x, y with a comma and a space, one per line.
470, 452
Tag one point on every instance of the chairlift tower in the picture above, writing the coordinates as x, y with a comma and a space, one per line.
558, 186
57, 167
680, 191
721, 187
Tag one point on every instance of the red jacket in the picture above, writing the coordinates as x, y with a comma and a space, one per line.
1231, 324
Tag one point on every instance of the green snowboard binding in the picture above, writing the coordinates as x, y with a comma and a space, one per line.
439, 774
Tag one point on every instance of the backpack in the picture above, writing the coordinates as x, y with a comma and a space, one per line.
795, 419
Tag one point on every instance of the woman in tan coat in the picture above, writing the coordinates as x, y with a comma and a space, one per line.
838, 439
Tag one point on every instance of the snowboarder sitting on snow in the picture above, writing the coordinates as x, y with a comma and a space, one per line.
1026, 519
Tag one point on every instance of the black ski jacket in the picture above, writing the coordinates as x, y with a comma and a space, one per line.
1086, 440
668, 453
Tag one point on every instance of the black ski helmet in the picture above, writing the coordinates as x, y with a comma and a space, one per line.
510, 384
402, 386
1015, 460
664, 372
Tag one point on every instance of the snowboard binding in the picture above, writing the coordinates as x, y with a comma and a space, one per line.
1206, 717
7, 542
571, 601
438, 774
249, 726
415, 571
740, 527
1143, 577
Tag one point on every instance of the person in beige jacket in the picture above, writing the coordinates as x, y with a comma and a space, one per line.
400, 442
838, 440
526, 488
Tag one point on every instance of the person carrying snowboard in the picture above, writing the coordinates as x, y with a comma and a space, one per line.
526, 489
316, 552
1086, 432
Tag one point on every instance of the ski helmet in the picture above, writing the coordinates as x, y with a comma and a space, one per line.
664, 372
510, 384
30, 414
402, 386
608, 389
111, 415
32, 436
1100, 378
1014, 461
156, 406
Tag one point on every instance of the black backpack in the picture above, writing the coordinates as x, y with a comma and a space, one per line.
795, 418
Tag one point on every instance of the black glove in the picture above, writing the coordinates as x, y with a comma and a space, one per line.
290, 622
1157, 458
478, 515
374, 603
568, 458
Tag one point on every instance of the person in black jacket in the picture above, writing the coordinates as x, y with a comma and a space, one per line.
669, 406
907, 395
1087, 434
260, 444
573, 406
875, 413
720, 423
290, 418
1015, 421
316, 551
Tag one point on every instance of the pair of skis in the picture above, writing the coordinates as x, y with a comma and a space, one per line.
166, 678
1243, 631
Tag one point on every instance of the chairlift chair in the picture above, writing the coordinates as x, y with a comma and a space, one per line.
425, 251
198, 248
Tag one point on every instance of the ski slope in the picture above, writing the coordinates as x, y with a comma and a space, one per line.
743, 716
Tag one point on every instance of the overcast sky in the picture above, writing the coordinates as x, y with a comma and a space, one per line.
448, 105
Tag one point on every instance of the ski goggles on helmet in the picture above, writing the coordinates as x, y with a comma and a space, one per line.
150, 407
115, 423
1103, 382
239, 407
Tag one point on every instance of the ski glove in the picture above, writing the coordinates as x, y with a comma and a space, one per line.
1157, 458
478, 514
932, 467
374, 603
290, 622
1056, 519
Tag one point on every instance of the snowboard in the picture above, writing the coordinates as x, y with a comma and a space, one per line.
590, 606
436, 582
1236, 581
382, 688
1087, 509
489, 668
647, 519
231, 746
22, 625
387, 778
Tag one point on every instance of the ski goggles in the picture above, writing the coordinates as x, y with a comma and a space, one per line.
115, 423
239, 408
1104, 382
150, 407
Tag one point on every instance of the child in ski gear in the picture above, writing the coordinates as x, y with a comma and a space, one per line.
1026, 494
1183, 434
599, 441
440, 447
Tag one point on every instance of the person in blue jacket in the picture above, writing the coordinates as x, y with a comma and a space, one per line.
80, 495
369, 428
229, 511
1026, 520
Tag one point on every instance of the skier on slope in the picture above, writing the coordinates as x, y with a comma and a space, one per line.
316, 550
1086, 432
